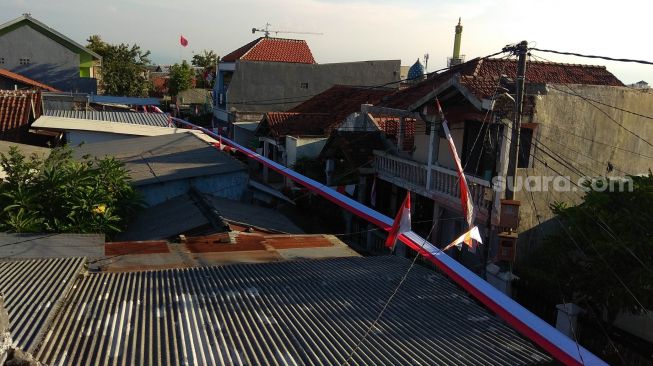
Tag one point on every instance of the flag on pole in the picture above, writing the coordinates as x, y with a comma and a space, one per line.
467, 239
401, 224
183, 41
466, 200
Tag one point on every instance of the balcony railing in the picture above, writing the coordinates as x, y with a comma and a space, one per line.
443, 184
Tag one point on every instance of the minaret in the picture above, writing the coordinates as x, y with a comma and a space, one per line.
456, 59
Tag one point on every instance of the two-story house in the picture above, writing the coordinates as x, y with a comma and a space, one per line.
276, 74
34, 50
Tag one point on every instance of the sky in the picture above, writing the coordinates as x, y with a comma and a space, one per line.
355, 30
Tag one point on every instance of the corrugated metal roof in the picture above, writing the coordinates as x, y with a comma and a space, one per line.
164, 158
51, 245
288, 313
137, 118
33, 291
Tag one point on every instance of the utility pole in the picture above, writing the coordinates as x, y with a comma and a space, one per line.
521, 49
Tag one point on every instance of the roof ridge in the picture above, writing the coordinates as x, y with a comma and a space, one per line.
254, 44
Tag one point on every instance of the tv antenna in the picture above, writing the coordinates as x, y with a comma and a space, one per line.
267, 31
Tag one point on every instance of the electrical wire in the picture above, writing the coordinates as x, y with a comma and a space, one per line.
361, 87
390, 298
592, 56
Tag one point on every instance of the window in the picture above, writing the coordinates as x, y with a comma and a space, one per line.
24, 61
2, 60
303, 85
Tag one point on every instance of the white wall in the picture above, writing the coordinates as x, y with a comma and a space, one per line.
75, 138
444, 155
298, 147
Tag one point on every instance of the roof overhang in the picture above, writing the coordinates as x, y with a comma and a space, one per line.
445, 90
75, 124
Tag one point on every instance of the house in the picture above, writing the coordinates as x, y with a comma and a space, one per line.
18, 109
302, 132
194, 101
12, 81
289, 312
23, 149
34, 50
275, 74
561, 132
167, 166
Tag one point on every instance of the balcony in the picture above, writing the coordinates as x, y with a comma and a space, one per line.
443, 187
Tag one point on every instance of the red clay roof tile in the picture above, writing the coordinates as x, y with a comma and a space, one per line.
273, 50
15, 111
481, 77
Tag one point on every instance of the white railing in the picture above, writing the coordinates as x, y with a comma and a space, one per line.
443, 180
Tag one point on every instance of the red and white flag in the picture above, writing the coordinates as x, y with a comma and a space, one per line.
183, 41
401, 224
467, 238
465, 199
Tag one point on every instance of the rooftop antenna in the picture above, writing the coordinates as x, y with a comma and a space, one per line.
266, 31
426, 62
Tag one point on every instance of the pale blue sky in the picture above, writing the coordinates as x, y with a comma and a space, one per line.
362, 29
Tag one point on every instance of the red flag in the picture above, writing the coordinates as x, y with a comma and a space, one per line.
465, 199
183, 41
401, 224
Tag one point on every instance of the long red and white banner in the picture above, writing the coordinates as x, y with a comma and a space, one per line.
542, 333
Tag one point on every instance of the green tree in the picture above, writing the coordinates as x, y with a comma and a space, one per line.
123, 67
601, 256
181, 77
207, 60
61, 194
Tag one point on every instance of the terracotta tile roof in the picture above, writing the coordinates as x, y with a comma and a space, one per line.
273, 50
15, 112
548, 72
277, 124
319, 115
481, 77
25, 80
342, 100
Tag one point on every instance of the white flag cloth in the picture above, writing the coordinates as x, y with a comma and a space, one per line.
467, 239
465, 199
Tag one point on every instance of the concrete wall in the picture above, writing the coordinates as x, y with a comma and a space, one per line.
444, 157
253, 81
75, 138
577, 132
50, 62
231, 186
298, 147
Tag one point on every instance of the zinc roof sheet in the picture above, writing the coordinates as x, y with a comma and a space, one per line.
138, 118
33, 290
287, 313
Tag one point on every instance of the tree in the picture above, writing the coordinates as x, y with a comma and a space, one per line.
601, 257
208, 61
123, 67
63, 195
181, 77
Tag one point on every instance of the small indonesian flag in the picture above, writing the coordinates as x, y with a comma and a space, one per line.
465, 198
401, 224
467, 238
183, 41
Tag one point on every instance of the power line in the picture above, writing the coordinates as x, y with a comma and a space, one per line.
389, 300
362, 87
593, 56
